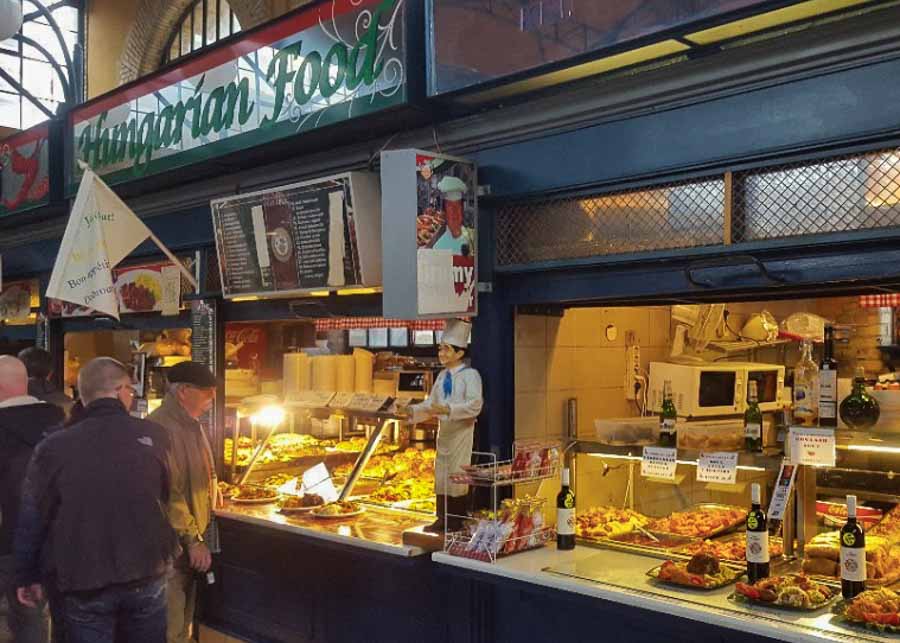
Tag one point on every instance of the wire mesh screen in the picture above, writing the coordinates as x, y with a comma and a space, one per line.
846, 193
674, 215
213, 277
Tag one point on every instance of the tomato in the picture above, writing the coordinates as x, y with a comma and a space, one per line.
697, 580
883, 619
748, 590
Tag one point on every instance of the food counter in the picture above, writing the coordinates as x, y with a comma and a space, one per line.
620, 579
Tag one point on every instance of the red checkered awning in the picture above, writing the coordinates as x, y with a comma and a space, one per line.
889, 300
350, 323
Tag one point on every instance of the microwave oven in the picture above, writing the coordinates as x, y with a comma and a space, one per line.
711, 389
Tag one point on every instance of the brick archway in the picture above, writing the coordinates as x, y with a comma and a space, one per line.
154, 22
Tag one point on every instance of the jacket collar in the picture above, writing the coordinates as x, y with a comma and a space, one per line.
19, 400
105, 406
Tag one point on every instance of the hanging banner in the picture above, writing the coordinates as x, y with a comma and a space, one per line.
430, 207
24, 168
316, 235
325, 64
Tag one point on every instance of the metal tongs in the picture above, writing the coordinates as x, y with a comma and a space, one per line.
647, 534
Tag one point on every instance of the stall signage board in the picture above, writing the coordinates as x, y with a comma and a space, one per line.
718, 467
329, 63
659, 462
429, 224
782, 493
815, 447
316, 235
24, 170
205, 337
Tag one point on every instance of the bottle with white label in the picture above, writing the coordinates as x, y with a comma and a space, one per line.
565, 514
753, 421
828, 368
853, 554
668, 416
757, 538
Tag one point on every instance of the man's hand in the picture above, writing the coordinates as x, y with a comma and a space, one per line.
440, 409
200, 557
30, 595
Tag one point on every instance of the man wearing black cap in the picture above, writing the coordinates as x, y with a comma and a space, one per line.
192, 390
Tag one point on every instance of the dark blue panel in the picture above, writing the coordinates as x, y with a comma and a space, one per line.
842, 106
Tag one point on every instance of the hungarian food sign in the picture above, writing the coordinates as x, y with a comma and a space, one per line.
316, 235
331, 62
24, 163
430, 212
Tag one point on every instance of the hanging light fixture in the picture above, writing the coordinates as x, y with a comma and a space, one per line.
10, 18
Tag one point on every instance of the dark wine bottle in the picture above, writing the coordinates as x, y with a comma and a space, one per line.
828, 405
565, 515
859, 410
757, 538
853, 554
668, 416
753, 421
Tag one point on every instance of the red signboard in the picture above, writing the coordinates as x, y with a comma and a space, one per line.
24, 162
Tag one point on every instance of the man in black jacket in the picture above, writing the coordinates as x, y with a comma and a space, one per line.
40, 366
23, 422
96, 494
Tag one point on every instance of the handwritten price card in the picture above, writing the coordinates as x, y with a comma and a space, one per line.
812, 446
659, 462
719, 467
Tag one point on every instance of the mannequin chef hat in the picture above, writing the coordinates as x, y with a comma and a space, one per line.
457, 333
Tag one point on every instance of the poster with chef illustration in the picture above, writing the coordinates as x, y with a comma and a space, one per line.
439, 194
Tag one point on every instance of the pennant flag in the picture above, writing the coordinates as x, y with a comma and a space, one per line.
101, 232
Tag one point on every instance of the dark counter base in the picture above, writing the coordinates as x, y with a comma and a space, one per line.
279, 587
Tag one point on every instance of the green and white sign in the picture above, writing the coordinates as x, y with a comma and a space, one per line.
334, 61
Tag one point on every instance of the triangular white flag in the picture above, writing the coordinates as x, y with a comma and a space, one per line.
102, 231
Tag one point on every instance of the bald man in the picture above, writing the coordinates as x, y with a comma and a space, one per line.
94, 500
23, 422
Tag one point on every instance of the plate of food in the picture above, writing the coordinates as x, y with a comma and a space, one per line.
874, 609
246, 495
702, 571
139, 290
792, 592
337, 510
300, 504
702, 521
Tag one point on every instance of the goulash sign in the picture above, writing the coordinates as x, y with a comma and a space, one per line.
334, 61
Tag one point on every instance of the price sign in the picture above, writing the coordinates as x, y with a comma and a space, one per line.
782, 493
717, 467
812, 446
317, 480
340, 400
659, 462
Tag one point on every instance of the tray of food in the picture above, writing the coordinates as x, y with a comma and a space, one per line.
732, 548
300, 504
822, 557
874, 609
643, 538
792, 592
701, 521
247, 495
426, 505
702, 572
834, 514
337, 510
599, 523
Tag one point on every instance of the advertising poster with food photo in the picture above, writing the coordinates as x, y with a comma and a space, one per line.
445, 234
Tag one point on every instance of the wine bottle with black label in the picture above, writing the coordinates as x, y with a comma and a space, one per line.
753, 421
757, 538
565, 515
668, 417
853, 554
828, 404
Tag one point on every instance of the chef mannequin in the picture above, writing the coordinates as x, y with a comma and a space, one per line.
456, 401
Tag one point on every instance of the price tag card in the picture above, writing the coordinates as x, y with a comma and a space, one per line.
659, 462
719, 466
370, 403
317, 480
812, 446
782, 493
310, 399
340, 400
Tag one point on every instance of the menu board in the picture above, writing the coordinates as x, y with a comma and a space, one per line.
205, 328
430, 205
316, 235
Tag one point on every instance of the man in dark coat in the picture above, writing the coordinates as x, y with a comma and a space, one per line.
23, 423
95, 497
40, 366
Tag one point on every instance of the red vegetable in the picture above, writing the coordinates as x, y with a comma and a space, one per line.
748, 590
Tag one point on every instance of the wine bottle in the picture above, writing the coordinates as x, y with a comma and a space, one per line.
828, 416
565, 514
668, 436
757, 538
753, 421
853, 554
859, 410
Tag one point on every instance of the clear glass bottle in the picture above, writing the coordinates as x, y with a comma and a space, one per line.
806, 388
859, 410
